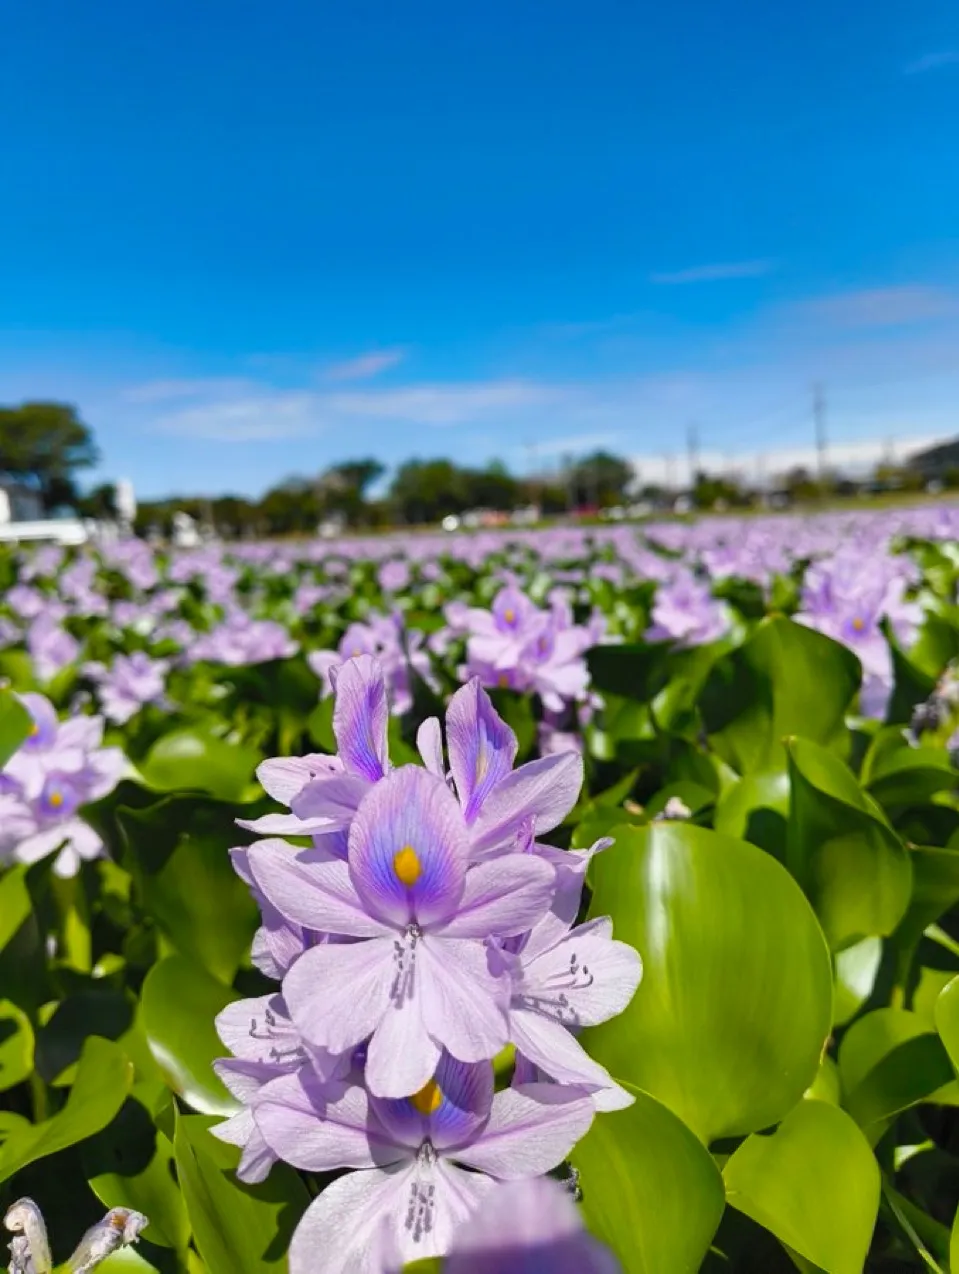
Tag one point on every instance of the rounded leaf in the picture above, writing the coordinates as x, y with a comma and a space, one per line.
814, 1183
730, 1020
651, 1190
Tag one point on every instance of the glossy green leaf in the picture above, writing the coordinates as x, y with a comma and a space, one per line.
851, 864
935, 889
15, 723
786, 679
103, 1079
910, 776
196, 760
814, 1183
16, 1045
947, 1019
131, 1165
178, 853
756, 808
179, 1002
651, 1191
238, 1228
889, 1060
856, 969
16, 905
736, 970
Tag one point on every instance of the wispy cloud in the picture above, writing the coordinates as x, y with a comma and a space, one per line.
717, 272
268, 413
932, 62
883, 307
574, 445
365, 366
161, 391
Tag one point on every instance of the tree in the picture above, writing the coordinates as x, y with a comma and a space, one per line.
426, 490
600, 480
342, 488
42, 445
99, 504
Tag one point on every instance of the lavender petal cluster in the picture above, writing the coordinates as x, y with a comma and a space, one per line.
129, 683
60, 766
400, 652
424, 930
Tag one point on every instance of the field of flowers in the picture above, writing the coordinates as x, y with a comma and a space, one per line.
562, 901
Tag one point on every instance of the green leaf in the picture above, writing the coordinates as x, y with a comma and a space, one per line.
131, 1165
16, 905
196, 760
104, 1076
856, 969
889, 1060
238, 1228
179, 1002
15, 723
935, 889
736, 971
786, 679
178, 853
851, 864
814, 1183
910, 776
651, 1191
16, 1045
755, 808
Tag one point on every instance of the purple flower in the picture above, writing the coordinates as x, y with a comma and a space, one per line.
686, 611
51, 647
527, 1227
413, 1188
129, 683
417, 978
60, 767
396, 649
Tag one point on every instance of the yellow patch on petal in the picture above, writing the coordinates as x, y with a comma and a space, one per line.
34, 730
858, 624
56, 799
504, 681
509, 615
428, 1099
407, 866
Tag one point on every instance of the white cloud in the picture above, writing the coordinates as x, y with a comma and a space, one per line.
365, 366
932, 62
717, 272
160, 391
270, 413
573, 445
883, 307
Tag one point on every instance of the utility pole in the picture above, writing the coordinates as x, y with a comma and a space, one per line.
819, 420
692, 451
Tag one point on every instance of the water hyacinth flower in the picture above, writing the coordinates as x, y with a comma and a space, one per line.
51, 647
128, 684
399, 651
527, 1227
58, 768
412, 1157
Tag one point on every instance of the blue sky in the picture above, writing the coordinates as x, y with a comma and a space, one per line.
249, 240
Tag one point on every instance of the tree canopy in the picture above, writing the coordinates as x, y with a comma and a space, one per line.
43, 445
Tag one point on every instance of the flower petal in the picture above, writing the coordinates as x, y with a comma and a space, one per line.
401, 1057
585, 979
531, 1129
361, 717
321, 1126
502, 897
463, 1004
463, 1091
531, 1226
558, 1054
482, 747
429, 742
331, 800
308, 888
545, 789
284, 777
352, 1246
408, 848
337, 994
